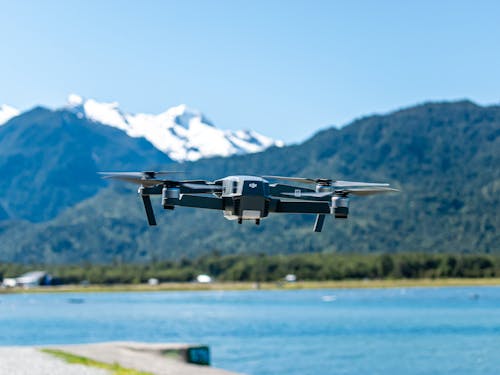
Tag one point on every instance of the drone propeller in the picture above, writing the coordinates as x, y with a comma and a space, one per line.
326, 181
339, 183
146, 178
135, 180
337, 187
360, 191
144, 174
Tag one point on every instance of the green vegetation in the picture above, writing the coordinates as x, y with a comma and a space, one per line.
443, 156
60, 155
115, 368
273, 268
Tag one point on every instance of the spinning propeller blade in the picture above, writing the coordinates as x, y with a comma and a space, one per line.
327, 181
146, 178
135, 180
337, 187
145, 174
353, 183
360, 191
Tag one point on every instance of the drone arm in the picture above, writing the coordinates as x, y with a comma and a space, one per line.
153, 190
198, 201
286, 191
300, 207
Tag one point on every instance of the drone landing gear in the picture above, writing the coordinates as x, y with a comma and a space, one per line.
149, 209
318, 225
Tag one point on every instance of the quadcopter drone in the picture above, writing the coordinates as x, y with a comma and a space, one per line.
251, 197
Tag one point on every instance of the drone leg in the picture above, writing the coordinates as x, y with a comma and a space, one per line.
257, 221
318, 225
149, 209
240, 220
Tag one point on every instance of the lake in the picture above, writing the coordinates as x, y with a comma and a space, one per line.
451, 330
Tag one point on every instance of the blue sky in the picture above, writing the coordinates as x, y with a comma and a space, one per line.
283, 68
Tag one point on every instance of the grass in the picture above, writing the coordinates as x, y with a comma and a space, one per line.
332, 284
115, 368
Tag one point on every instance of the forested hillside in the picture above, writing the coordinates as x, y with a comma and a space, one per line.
49, 161
443, 156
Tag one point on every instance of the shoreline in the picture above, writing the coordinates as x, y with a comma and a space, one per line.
242, 286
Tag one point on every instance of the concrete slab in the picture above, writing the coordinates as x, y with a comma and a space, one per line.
157, 358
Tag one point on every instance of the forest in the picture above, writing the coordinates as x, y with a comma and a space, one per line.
443, 157
262, 267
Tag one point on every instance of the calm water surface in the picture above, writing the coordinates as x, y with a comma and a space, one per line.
356, 331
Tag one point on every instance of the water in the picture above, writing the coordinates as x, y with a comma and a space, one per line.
356, 331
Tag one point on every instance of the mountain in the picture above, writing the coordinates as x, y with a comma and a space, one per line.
180, 132
49, 161
443, 156
6, 113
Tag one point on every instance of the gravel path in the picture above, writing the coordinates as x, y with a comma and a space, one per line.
30, 361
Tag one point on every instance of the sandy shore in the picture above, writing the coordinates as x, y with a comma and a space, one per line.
331, 284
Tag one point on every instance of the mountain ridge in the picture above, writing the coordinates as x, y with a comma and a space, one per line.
184, 134
50, 160
7, 112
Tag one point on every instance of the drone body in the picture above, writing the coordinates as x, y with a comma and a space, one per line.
251, 197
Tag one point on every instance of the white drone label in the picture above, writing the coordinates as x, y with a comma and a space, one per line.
298, 193
253, 185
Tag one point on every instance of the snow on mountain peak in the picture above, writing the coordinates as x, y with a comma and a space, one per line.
180, 132
182, 115
75, 100
7, 112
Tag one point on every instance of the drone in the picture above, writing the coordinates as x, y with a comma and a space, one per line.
251, 197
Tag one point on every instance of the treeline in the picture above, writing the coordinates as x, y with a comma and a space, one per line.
310, 266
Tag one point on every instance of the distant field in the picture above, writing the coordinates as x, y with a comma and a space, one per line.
343, 284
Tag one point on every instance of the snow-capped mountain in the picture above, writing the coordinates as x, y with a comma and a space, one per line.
180, 132
7, 112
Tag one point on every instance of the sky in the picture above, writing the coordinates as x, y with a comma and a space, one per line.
283, 68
